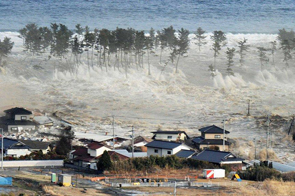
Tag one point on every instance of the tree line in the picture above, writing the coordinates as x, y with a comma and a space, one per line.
121, 48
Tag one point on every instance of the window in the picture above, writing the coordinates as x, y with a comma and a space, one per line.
217, 136
156, 150
23, 118
14, 128
169, 152
169, 137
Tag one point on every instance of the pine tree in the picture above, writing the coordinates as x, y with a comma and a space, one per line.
286, 47
218, 39
262, 56
104, 162
243, 47
273, 49
182, 43
200, 37
230, 53
5, 48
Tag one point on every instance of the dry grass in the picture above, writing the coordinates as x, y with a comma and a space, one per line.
266, 188
55, 190
263, 154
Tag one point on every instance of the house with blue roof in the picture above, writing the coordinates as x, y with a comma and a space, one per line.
164, 148
212, 137
14, 148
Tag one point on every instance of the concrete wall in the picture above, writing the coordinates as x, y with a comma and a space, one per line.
33, 163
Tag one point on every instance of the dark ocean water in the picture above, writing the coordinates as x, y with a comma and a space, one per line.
235, 16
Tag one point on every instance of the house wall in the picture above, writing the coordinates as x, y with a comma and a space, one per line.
164, 152
19, 117
97, 152
179, 148
17, 152
151, 151
93, 166
174, 137
212, 136
202, 146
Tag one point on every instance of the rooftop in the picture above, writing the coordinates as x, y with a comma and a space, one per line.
17, 110
185, 153
213, 129
80, 151
94, 145
201, 140
36, 144
213, 156
163, 144
170, 132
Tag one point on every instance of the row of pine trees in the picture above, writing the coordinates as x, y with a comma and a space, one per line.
121, 48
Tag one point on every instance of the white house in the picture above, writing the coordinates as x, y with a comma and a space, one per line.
96, 149
175, 136
14, 148
164, 148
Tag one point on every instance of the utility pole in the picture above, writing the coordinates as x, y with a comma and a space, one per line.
2, 146
268, 123
113, 132
132, 142
223, 141
249, 101
255, 148
175, 188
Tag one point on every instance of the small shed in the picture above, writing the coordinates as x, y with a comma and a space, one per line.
65, 179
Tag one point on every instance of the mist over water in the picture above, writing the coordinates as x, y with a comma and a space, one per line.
233, 16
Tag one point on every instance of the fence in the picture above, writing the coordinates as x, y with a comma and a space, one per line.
34, 163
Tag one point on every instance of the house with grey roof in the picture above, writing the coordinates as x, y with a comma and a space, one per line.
220, 157
212, 137
35, 145
164, 148
174, 136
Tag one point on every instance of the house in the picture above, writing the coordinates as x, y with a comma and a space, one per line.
212, 137
221, 158
14, 148
18, 119
35, 146
186, 153
81, 158
175, 136
164, 148
96, 149
105, 139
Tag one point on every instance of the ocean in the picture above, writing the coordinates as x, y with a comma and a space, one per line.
231, 16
